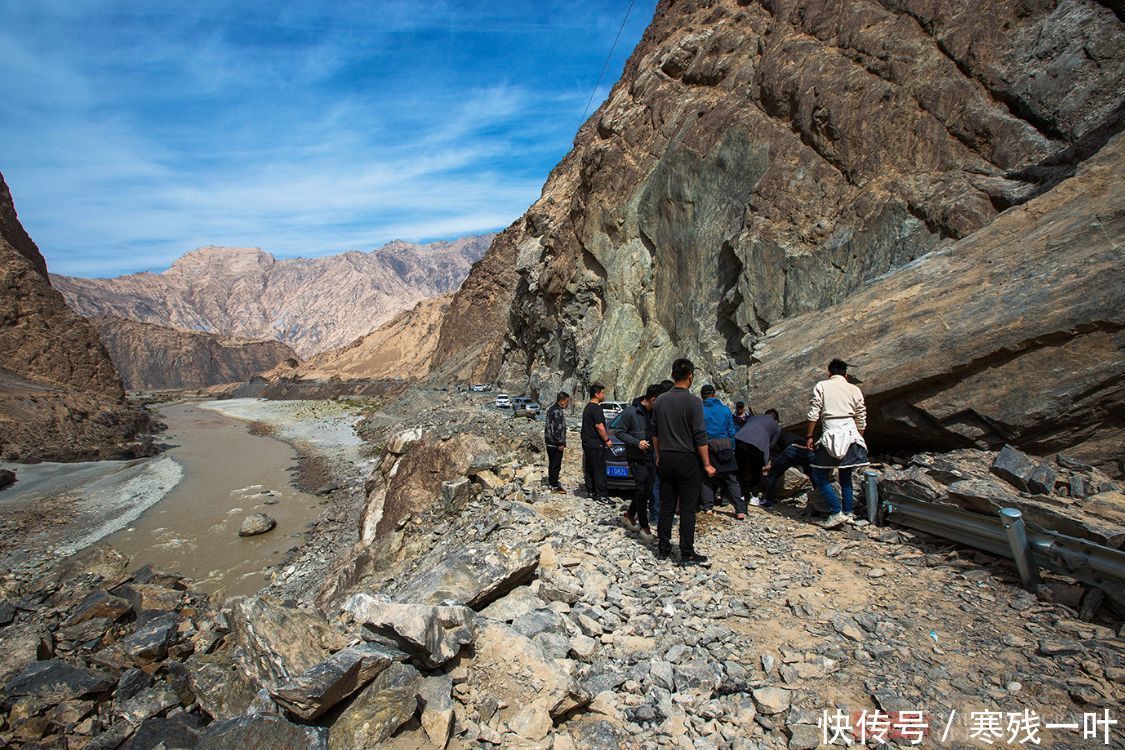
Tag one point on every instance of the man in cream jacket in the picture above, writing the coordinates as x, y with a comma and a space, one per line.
839, 406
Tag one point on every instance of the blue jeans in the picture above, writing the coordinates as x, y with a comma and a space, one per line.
793, 455
822, 480
654, 504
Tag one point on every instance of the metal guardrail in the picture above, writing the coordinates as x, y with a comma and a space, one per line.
1006, 535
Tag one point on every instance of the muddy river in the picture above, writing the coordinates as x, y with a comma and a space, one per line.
181, 510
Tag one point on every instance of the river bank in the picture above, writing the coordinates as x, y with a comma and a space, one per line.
299, 462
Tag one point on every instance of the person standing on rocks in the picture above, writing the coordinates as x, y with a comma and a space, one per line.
839, 406
595, 440
554, 435
682, 459
719, 422
752, 447
635, 430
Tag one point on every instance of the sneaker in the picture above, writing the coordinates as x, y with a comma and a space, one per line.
740, 517
663, 554
836, 520
709, 512
628, 521
558, 490
766, 504
646, 533
695, 559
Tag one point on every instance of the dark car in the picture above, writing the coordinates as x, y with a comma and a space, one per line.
618, 475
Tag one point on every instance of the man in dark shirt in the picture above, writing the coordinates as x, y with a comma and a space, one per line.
595, 440
554, 435
635, 430
752, 445
681, 449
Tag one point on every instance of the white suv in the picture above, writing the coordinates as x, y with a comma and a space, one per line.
502, 401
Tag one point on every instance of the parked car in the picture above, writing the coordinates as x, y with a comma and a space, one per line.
612, 409
502, 401
480, 387
618, 475
532, 406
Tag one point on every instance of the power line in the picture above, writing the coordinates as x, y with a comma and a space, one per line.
606, 64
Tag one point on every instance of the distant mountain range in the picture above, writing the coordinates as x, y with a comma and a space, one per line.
310, 304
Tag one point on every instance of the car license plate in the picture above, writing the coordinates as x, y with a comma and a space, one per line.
617, 471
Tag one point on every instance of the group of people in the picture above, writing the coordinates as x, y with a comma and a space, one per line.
685, 452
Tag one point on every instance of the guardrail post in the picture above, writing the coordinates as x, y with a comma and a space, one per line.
1021, 550
871, 487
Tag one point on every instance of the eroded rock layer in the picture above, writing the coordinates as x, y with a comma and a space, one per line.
760, 161
60, 397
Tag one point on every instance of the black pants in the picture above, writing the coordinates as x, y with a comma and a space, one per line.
750, 463
681, 477
593, 467
644, 473
554, 464
727, 481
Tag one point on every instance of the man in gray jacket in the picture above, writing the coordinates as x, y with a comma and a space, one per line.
635, 430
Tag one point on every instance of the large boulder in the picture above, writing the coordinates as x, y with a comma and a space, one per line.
433, 634
324, 685
54, 681
262, 732
387, 703
279, 643
474, 575
1026, 362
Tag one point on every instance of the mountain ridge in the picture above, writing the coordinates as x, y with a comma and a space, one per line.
310, 304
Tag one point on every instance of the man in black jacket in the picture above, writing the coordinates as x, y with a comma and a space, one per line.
595, 440
683, 458
634, 429
554, 435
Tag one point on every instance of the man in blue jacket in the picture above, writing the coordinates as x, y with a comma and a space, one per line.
719, 422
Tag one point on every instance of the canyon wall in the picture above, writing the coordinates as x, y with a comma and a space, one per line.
763, 163
60, 397
151, 357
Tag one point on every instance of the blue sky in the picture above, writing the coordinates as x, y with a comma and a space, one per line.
132, 132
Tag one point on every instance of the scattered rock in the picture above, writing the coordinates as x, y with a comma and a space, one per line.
434, 634
54, 681
279, 643
771, 701
474, 575
435, 696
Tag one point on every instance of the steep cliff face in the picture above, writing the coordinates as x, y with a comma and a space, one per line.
152, 357
60, 397
311, 304
761, 160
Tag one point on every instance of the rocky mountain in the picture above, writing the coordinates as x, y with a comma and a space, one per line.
762, 167
399, 349
60, 398
311, 304
152, 357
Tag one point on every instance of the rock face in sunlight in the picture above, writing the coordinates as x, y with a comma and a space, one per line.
310, 304
60, 397
763, 161
400, 348
152, 357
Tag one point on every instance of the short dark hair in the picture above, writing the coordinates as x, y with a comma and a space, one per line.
595, 389
838, 367
707, 390
563, 396
654, 390
773, 413
681, 369
666, 385
739, 404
